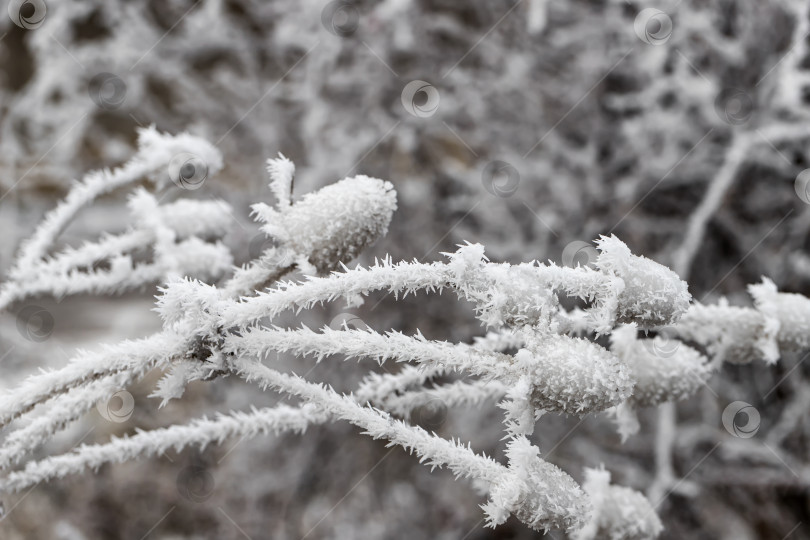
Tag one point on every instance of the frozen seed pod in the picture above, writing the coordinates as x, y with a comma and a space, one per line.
653, 295
790, 309
619, 513
663, 368
573, 375
329, 226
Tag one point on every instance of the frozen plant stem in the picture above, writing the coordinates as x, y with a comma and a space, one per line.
556, 502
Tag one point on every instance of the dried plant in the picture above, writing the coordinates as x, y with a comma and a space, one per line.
218, 329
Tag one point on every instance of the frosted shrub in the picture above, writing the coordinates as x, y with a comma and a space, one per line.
222, 328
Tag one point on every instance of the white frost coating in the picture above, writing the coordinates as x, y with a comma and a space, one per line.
653, 295
318, 233
503, 294
538, 493
573, 375
135, 357
155, 151
282, 174
663, 369
731, 334
211, 331
205, 219
790, 309
331, 225
619, 513
569, 375
200, 432
72, 271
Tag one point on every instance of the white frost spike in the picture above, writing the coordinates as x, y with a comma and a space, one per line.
653, 295
625, 418
538, 493
573, 375
190, 302
333, 224
790, 309
619, 513
664, 370
282, 173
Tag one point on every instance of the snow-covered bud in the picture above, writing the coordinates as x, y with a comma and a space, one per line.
536, 492
790, 309
619, 513
653, 295
731, 334
664, 369
332, 225
572, 375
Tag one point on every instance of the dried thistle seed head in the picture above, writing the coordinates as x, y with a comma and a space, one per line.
619, 513
664, 368
334, 224
572, 375
653, 295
